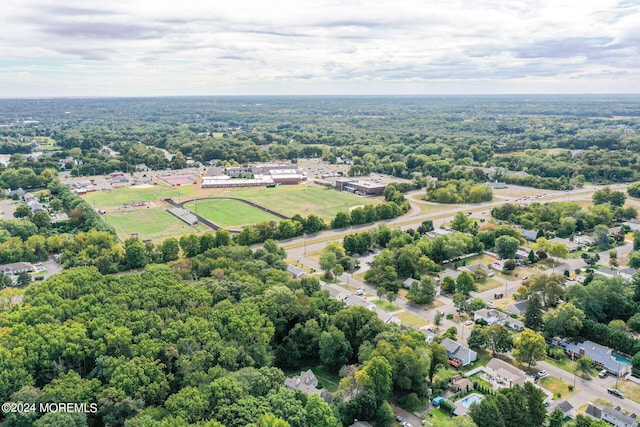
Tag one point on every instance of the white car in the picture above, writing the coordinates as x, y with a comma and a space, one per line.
468, 322
360, 291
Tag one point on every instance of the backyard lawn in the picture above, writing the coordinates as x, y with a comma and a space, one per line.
385, 305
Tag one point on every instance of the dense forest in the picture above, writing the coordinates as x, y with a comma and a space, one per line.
542, 141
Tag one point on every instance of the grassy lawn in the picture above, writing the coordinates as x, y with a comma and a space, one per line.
412, 320
436, 416
149, 224
298, 199
630, 389
559, 388
488, 283
120, 196
385, 305
228, 212
483, 358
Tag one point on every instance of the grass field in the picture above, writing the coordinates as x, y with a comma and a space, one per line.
120, 196
558, 387
298, 199
385, 305
149, 224
228, 212
412, 320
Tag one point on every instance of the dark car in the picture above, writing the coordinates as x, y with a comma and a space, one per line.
616, 393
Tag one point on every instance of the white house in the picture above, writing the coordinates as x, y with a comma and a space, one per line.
503, 375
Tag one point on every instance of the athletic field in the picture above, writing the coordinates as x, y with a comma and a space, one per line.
229, 213
149, 224
297, 199
137, 193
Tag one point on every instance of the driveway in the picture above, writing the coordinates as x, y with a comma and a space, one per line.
8, 208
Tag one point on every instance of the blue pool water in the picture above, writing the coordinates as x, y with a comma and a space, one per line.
622, 360
471, 399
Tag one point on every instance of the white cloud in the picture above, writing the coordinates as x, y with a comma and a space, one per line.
156, 47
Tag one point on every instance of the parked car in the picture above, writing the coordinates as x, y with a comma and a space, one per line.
603, 373
616, 393
542, 374
360, 291
468, 322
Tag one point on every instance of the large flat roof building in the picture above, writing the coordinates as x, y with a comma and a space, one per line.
364, 188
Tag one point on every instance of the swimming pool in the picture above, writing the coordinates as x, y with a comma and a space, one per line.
622, 360
470, 400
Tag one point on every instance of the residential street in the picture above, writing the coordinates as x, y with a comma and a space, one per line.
299, 248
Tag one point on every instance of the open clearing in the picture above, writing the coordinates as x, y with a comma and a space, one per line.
289, 200
228, 212
142, 193
149, 224
304, 199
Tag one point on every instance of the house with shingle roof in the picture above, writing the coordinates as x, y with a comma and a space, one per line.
458, 354
613, 416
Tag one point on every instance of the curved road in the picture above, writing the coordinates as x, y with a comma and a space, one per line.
297, 249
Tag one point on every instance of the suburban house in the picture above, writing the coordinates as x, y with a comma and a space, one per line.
613, 416
458, 354
408, 282
492, 317
503, 375
16, 268
307, 382
360, 424
572, 246
585, 240
385, 316
519, 308
449, 273
626, 273
461, 384
632, 224
296, 272
601, 355
475, 267
495, 317
564, 406
530, 235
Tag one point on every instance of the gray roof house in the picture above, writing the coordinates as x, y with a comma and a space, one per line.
492, 317
613, 416
474, 267
495, 317
360, 424
296, 272
529, 235
564, 406
449, 273
458, 354
307, 383
518, 308
606, 272
16, 268
408, 282
600, 354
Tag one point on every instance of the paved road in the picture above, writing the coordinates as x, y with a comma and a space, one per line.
596, 388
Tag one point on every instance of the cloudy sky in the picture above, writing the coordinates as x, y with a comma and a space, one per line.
227, 47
